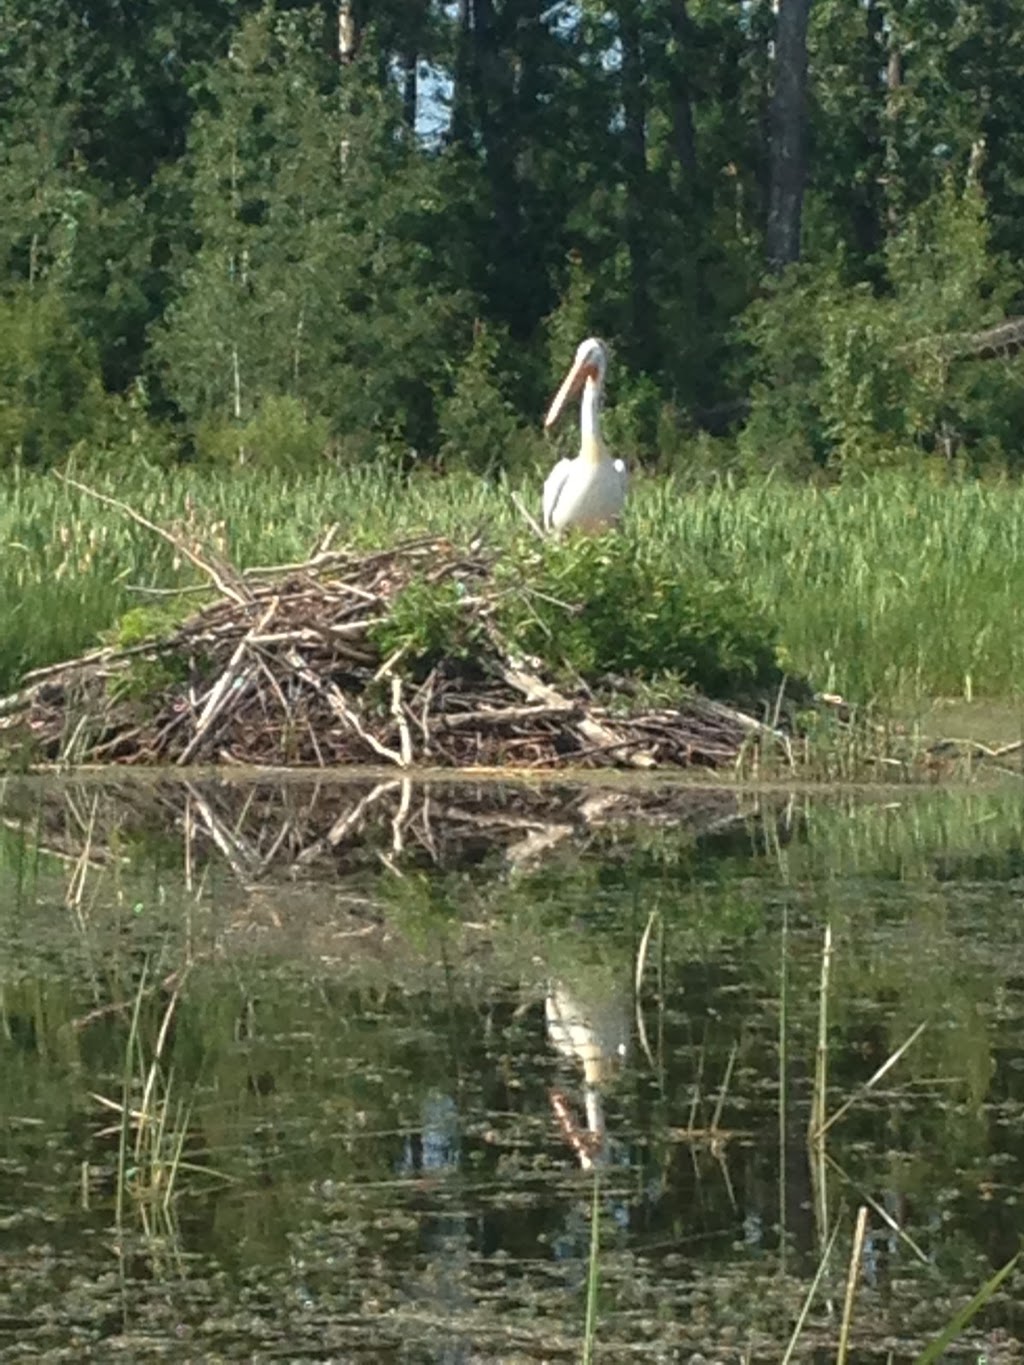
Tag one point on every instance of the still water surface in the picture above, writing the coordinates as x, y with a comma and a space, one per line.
381, 1041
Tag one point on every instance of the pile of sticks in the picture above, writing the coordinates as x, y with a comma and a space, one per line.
282, 668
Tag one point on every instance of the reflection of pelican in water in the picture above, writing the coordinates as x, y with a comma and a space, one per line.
593, 1033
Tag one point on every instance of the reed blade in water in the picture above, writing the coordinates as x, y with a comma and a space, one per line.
961, 1319
590, 1326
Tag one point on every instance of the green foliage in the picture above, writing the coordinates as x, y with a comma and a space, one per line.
147, 678
853, 379
477, 424
892, 589
133, 440
51, 394
571, 321
279, 435
427, 623
639, 421
316, 281
278, 242
139, 624
612, 606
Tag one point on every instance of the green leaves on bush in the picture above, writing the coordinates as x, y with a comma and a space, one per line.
855, 378
280, 435
479, 429
51, 394
593, 609
427, 623
610, 606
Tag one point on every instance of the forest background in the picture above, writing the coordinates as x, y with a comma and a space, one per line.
287, 234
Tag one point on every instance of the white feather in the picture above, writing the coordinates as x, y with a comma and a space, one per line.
583, 493
553, 485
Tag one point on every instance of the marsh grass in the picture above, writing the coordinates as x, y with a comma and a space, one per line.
153, 1126
946, 1334
593, 1273
892, 590
820, 1163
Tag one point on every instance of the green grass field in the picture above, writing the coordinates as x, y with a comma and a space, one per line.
894, 590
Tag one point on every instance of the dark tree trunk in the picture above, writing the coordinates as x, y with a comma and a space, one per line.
462, 93
788, 119
486, 118
409, 64
684, 139
634, 111
867, 203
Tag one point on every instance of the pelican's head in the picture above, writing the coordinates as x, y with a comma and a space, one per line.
590, 363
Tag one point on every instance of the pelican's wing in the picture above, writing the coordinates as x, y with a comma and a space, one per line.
623, 473
553, 485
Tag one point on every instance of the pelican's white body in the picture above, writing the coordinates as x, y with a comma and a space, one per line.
588, 492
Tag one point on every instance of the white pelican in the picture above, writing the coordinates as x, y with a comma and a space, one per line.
588, 491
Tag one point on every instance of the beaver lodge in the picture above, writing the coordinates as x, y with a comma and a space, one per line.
392, 657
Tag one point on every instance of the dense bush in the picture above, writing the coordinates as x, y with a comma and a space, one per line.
854, 377
622, 607
51, 392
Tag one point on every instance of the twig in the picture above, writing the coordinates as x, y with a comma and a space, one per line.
532, 687
219, 692
397, 710
238, 593
528, 516
336, 702
851, 1283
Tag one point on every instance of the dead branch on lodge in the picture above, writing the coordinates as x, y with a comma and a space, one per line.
283, 668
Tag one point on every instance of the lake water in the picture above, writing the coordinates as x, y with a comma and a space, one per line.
394, 1055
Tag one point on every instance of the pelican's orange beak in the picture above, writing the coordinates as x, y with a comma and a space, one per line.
583, 369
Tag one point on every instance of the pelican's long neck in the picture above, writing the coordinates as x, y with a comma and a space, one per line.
592, 449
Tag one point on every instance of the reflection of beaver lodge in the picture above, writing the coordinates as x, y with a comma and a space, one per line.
306, 827
298, 666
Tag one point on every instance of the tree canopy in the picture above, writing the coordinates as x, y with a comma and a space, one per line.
293, 231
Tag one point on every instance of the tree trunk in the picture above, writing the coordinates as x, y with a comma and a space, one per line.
348, 32
684, 139
485, 122
634, 112
893, 99
788, 120
410, 61
867, 198
462, 76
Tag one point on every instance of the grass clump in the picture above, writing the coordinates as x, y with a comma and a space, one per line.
139, 624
